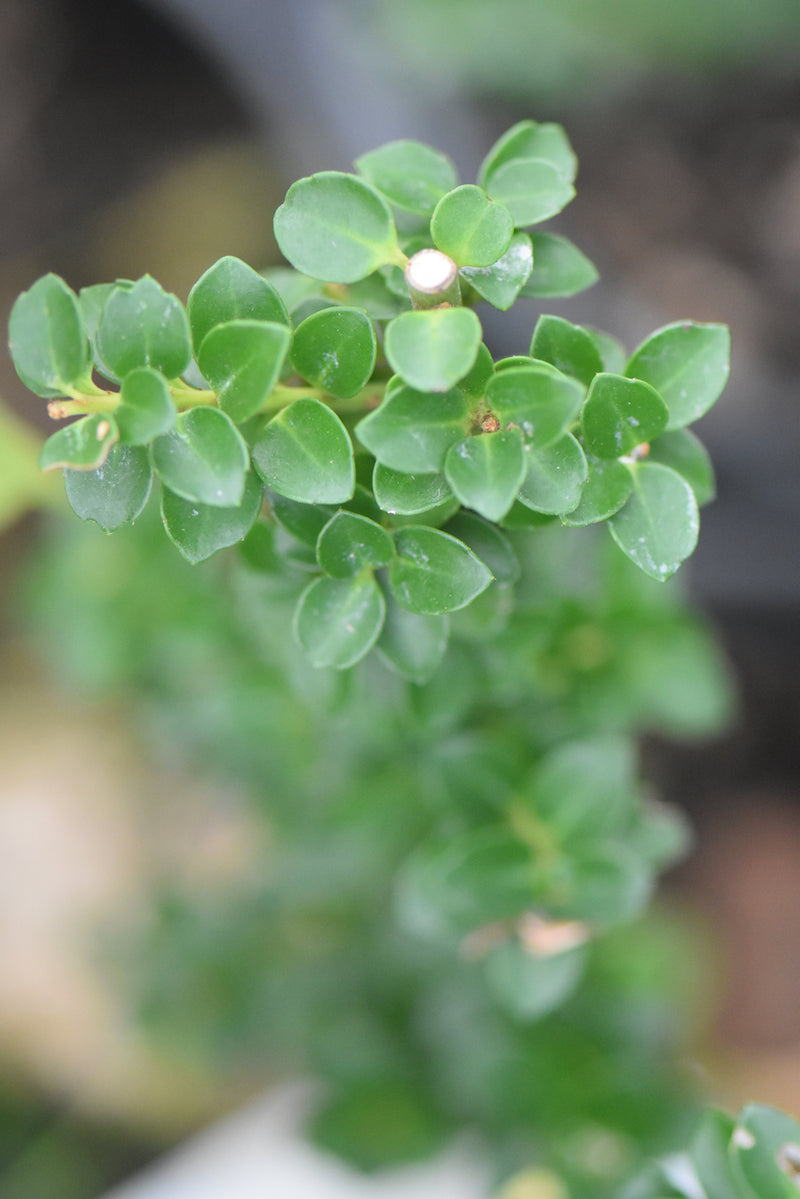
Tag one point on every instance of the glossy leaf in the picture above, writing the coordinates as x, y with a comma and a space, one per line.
350, 543
621, 414
485, 471
305, 453
555, 477
115, 493
475, 382
688, 364
230, 290
242, 361
304, 522
568, 347
503, 281
412, 430
335, 350
611, 350
411, 175
83, 445
434, 573
144, 326
410, 644
531, 189
337, 621
469, 227
530, 139
608, 486
200, 530
684, 453
432, 350
335, 227
559, 268
537, 399
48, 343
658, 526
146, 408
529, 985
488, 543
203, 459
408, 494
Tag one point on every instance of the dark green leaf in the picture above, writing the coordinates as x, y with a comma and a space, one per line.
242, 362
230, 290
338, 621
82, 445
412, 430
305, 453
559, 268
555, 477
537, 399
586, 789
410, 644
612, 351
530, 139
688, 364
92, 301
474, 383
146, 408
350, 543
686, 454
432, 350
203, 459
657, 528
485, 471
408, 495
411, 175
335, 350
766, 1147
487, 543
144, 326
48, 343
434, 573
469, 227
502, 282
116, 492
304, 522
621, 414
711, 1157
607, 487
529, 985
335, 227
530, 188
199, 530
567, 347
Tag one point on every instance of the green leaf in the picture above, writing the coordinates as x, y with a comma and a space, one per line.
555, 477
305, 453
410, 644
586, 789
469, 227
432, 350
350, 543
607, 487
537, 399
487, 543
242, 361
688, 364
146, 408
559, 268
531, 189
712, 1158
92, 301
605, 883
376, 1123
337, 621
408, 495
336, 227
568, 347
203, 459
621, 414
767, 1150
612, 351
199, 530
503, 281
474, 383
144, 326
376, 296
116, 492
335, 350
434, 573
529, 986
48, 343
411, 175
82, 445
304, 522
412, 431
230, 290
658, 526
529, 139
485, 471
687, 456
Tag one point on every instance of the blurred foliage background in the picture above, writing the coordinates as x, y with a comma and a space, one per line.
157, 137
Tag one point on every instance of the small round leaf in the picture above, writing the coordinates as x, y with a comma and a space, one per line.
531, 188
412, 430
116, 492
559, 268
537, 399
335, 350
485, 471
406, 494
305, 453
469, 227
621, 414
203, 459
555, 477
503, 281
82, 445
410, 644
530, 139
199, 530
230, 290
657, 528
435, 573
48, 343
688, 364
242, 361
143, 325
337, 621
410, 174
568, 347
432, 350
350, 543
146, 409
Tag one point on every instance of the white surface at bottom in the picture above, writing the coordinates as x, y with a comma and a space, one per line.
260, 1153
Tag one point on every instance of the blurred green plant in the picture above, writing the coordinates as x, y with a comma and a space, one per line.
449, 924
